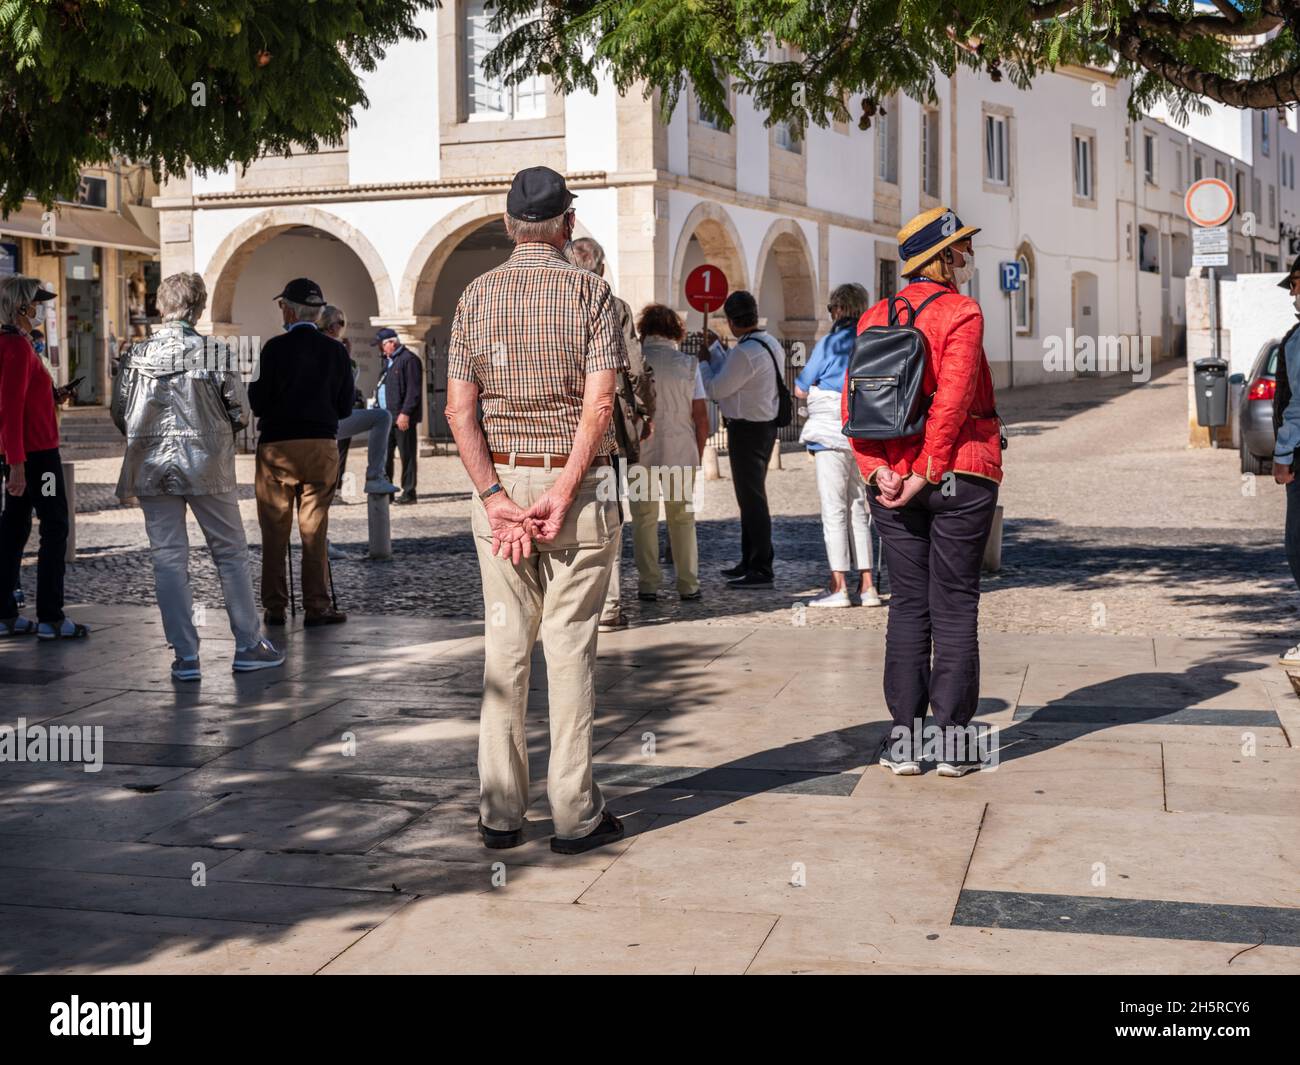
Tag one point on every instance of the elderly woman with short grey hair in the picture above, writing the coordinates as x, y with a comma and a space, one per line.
846, 521
179, 399
29, 443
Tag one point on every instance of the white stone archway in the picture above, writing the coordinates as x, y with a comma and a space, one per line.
787, 260
716, 234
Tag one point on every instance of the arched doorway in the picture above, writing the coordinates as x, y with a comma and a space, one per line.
708, 236
787, 286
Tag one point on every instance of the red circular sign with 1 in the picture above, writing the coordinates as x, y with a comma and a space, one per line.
706, 288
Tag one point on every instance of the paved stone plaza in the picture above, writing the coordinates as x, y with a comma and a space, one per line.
1145, 816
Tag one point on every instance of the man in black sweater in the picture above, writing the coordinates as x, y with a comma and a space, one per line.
401, 392
302, 388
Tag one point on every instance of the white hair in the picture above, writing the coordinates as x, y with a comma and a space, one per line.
16, 292
330, 316
182, 297
545, 231
586, 254
302, 312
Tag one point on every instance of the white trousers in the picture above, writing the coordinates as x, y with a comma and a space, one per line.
846, 522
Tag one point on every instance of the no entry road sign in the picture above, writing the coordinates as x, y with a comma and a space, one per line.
1209, 202
706, 288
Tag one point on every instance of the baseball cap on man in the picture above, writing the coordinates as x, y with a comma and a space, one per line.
302, 290
537, 194
382, 335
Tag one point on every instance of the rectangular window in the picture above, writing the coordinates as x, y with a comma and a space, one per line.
1149, 158
491, 98
1240, 184
1264, 132
888, 278
997, 150
887, 143
1220, 171
1257, 197
1272, 207
930, 153
787, 139
1083, 167
1198, 167
1178, 170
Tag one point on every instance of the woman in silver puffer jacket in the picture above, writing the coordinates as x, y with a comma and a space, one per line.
180, 400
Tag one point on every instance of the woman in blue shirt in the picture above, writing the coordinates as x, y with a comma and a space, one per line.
846, 522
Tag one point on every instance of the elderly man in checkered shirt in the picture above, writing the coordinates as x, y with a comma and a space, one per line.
537, 342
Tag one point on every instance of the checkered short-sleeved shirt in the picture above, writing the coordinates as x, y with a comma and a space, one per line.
527, 333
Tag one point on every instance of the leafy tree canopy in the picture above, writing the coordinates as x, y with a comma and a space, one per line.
801, 60
170, 82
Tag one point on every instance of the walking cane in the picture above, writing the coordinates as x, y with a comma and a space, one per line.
329, 568
293, 610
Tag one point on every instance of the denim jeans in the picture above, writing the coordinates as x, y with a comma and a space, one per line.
376, 422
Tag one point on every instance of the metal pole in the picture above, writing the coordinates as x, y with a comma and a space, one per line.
1214, 333
1011, 343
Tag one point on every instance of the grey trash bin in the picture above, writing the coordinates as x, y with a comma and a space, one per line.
1210, 379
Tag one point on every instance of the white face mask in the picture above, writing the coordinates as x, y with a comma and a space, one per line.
1296, 301
962, 274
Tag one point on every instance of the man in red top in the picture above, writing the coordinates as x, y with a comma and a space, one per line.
29, 441
932, 498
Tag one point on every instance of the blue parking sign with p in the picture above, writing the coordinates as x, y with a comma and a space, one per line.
1009, 276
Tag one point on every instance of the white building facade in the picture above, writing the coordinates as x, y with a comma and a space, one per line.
395, 221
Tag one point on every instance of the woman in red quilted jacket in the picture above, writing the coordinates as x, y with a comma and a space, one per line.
932, 498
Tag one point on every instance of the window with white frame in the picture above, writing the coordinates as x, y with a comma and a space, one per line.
1220, 171
930, 153
1084, 169
887, 143
1149, 158
997, 149
1198, 167
487, 97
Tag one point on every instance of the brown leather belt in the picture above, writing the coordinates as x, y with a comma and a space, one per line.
556, 461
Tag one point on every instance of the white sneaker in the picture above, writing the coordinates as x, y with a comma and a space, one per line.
870, 597
1291, 656
832, 599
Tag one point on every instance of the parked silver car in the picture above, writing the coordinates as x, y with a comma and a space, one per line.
1255, 412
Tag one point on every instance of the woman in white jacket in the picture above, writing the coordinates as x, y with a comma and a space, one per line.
670, 459
846, 522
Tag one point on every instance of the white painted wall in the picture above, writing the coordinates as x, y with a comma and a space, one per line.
396, 137
591, 128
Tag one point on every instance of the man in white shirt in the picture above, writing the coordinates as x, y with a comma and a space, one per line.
743, 382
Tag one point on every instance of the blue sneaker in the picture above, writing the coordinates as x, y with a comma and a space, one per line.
262, 655
186, 669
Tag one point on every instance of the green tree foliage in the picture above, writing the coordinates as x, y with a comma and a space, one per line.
168, 82
1240, 52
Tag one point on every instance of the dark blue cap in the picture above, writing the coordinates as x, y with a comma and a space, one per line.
385, 334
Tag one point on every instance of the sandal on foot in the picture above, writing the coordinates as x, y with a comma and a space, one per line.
19, 626
67, 629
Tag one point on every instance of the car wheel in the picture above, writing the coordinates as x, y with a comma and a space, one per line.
1251, 463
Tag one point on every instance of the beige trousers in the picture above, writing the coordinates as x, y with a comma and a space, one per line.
674, 487
557, 594
305, 471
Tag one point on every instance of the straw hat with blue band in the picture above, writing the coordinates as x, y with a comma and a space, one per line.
926, 235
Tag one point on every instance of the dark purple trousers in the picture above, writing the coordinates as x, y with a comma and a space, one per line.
933, 550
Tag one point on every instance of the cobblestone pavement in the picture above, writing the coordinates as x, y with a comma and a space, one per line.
1112, 525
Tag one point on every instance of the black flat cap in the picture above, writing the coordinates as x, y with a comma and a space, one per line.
537, 194
302, 290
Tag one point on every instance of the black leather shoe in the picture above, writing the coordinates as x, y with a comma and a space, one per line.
751, 580
405, 500
328, 617
498, 839
693, 597
610, 830
648, 597
273, 619
735, 571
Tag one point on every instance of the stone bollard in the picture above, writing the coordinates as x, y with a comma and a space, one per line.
70, 490
709, 460
774, 460
377, 520
993, 549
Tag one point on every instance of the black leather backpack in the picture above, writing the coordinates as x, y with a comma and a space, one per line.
886, 397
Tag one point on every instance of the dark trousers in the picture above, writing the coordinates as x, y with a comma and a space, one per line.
749, 449
933, 550
1293, 529
403, 441
47, 496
